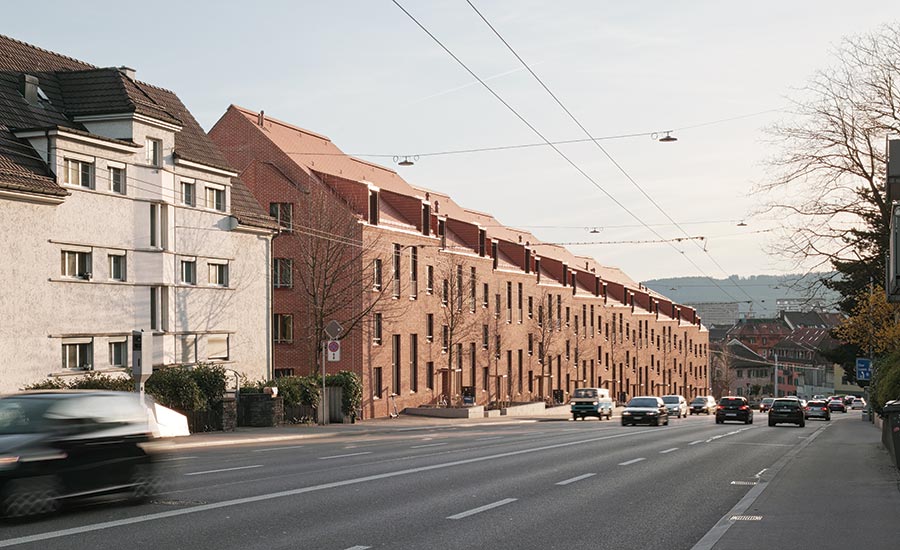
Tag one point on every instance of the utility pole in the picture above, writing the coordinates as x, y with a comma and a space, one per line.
776, 375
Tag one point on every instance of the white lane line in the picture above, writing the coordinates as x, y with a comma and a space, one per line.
177, 458
428, 445
223, 470
345, 456
631, 462
760, 473
695, 442
480, 509
574, 479
359, 548
668, 450
60, 533
277, 449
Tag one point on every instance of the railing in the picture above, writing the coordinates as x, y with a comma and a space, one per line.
204, 421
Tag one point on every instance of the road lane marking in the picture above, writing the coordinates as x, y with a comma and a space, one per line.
489, 438
758, 474
345, 456
668, 450
177, 458
628, 463
223, 470
277, 449
359, 548
480, 509
748, 483
427, 445
574, 479
309, 489
695, 442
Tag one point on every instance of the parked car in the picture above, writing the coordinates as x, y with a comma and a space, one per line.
817, 409
591, 402
703, 404
789, 411
732, 407
645, 409
858, 403
676, 405
837, 404
58, 445
766, 404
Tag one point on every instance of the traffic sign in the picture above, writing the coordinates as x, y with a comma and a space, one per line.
334, 350
333, 329
863, 369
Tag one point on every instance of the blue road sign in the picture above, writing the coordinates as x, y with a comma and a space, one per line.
863, 369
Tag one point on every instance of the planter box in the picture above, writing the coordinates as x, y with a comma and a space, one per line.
446, 412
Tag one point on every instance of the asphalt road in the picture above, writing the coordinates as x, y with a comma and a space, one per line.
514, 485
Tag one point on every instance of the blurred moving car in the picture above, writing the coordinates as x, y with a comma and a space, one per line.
766, 404
645, 409
787, 411
676, 405
591, 402
837, 404
703, 404
858, 403
733, 407
817, 408
57, 445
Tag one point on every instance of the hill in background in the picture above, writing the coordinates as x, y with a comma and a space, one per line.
757, 295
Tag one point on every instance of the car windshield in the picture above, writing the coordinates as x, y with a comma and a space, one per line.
698, 401
585, 392
22, 416
816, 403
792, 403
670, 399
768, 400
731, 402
643, 402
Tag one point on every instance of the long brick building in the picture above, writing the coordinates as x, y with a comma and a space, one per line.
439, 302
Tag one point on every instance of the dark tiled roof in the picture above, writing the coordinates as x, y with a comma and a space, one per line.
246, 209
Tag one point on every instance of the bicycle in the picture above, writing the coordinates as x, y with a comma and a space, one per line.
442, 401
394, 412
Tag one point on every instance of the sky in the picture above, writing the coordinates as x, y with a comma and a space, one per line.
365, 74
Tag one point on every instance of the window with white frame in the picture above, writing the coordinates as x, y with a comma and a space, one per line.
157, 226
78, 353
376, 329
283, 213
117, 179
156, 308
189, 272
118, 353
217, 346
76, 264
284, 328
215, 198
283, 273
117, 270
154, 152
188, 193
218, 274
78, 172
376, 274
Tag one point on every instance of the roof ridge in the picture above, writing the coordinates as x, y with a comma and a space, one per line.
283, 123
38, 48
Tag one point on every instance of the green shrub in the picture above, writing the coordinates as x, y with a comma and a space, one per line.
352, 391
886, 382
210, 379
174, 387
91, 381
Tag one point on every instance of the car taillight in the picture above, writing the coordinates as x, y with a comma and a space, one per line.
744, 407
805, 408
720, 407
824, 408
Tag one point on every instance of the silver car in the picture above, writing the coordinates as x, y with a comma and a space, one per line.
676, 405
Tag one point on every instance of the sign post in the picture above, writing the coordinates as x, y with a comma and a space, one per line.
863, 370
333, 331
141, 358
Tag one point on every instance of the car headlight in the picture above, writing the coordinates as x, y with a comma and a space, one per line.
626, 413
652, 413
595, 403
8, 462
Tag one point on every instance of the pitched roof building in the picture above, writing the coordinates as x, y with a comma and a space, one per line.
120, 214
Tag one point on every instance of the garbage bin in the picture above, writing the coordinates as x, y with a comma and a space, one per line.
890, 430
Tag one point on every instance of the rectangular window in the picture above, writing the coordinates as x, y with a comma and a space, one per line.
117, 180
157, 226
154, 152
283, 273
154, 308
189, 272
530, 307
377, 277
509, 302
429, 279
215, 199
117, 267
377, 383
497, 305
485, 339
429, 326
413, 362
118, 354
376, 330
413, 272
485, 292
445, 292
78, 354
429, 375
519, 303
395, 363
283, 213
445, 339
76, 264
473, 290
188, 194
218, 274
530, 344
217, 346
395, 270
283, 328
79, 173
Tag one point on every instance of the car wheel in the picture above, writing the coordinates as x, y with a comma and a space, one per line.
145, 483
624, 423
718, 421
30, 496
771, 423
802, 423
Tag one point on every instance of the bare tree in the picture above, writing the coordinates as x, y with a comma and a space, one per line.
721, 371
459, 323
544, 329
828, 179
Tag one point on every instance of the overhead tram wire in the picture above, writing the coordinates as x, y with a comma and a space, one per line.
549, 143
596, 143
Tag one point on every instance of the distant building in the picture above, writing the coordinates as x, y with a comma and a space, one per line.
800, 304
717, 313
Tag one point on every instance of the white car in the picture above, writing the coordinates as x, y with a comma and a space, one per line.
858, 403
676, 405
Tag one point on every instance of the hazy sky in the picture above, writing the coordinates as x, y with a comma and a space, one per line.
365, 75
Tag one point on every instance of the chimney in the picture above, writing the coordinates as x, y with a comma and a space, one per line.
261, 119
127, 71
30, 88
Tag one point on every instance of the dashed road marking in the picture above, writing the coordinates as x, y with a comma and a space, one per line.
480, 509
223, 470
668, 450
345, 456
631, 461
574, 479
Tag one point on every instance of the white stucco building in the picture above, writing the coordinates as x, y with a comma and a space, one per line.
117, 213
